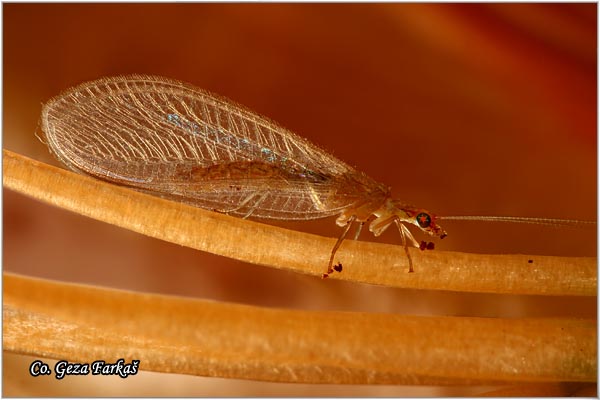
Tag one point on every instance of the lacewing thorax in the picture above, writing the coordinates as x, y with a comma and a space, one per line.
179, 142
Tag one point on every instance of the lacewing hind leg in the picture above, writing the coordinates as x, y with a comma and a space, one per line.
337, 246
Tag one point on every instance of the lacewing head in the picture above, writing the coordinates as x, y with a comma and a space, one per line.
425, 221
419, 217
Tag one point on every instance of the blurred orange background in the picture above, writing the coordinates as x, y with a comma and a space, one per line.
472, 109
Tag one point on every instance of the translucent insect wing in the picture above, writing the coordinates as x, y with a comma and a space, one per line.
178, 141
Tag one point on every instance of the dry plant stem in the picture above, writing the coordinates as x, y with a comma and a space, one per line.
301, 252
168, 334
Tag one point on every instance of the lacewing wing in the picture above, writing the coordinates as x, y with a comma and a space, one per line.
180, 142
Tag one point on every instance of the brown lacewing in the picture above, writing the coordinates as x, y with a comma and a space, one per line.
179, 142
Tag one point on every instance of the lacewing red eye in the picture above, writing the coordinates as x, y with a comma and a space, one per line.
173, 140
424, 220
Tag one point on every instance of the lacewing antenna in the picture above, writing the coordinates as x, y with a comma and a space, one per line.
555, 222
